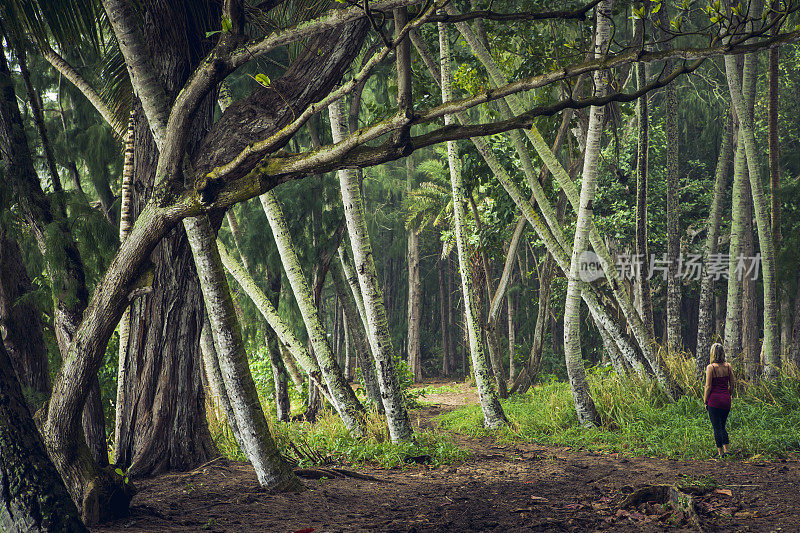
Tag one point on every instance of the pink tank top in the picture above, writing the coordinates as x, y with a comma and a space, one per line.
720, 396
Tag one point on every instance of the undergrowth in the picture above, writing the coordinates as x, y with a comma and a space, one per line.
638, 419
327, 442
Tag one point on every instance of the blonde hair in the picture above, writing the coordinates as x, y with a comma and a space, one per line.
717, 353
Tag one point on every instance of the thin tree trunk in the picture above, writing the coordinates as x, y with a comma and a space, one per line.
750, 345
271, 469
359, 337
493, 414
414, 290
270, 314
512, 335
733, 313
641, 281
375, 312
216, 383
705, 310
125, 225
280, 379
587, 413
441, 264
344, 399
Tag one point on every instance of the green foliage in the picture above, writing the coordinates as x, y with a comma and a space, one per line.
639, 420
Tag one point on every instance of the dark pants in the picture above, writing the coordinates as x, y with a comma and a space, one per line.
718, 419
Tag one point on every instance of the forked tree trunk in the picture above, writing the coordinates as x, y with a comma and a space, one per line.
374, 310
705, 309
256, 440
344, 399
34, 498
587, 413
493, 414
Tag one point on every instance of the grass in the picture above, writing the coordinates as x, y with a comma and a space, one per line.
639, 420
328, 442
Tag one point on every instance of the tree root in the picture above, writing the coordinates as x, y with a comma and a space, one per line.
675, 497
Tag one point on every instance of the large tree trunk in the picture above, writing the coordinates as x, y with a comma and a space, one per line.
493, 414
256, 440
20, 327
750, 343
587, 413
705, 309
163, 417
34, 498
374, 310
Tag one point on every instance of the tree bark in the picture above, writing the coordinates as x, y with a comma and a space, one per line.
641, 281
733, 308
34, 498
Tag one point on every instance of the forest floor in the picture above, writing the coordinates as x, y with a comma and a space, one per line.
501, 487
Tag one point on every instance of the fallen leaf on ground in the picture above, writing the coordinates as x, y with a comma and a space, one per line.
538, 499
725, 492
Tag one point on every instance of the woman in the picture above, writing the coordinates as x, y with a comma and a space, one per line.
717, 396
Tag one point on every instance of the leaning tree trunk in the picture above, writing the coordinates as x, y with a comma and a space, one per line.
358, 336
493, 414
344, 399
706, 312
587, 413
256, 440
374, 310
34, 498
47, 218
216, 383
741, 94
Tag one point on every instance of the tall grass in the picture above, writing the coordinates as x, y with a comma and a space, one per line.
638, 418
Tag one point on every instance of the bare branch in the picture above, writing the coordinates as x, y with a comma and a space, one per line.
488, 14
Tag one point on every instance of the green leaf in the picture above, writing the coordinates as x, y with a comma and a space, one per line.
263, 79
210, 33
656, 8
119, 471
226, 24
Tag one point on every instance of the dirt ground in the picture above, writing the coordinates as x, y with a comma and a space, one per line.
521, 487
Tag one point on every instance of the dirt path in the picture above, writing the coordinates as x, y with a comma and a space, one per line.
522, 487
